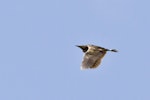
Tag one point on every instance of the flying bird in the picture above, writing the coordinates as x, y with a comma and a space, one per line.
93, 55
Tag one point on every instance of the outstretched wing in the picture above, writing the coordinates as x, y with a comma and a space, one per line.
92, 60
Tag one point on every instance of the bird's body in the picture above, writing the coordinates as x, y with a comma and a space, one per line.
93, 55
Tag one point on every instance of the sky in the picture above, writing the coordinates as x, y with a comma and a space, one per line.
39, 59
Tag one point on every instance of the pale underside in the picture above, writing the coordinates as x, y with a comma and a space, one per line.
92, 60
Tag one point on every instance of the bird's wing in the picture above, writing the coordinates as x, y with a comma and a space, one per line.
92, 60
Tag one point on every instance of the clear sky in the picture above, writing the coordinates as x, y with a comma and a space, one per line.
39, 60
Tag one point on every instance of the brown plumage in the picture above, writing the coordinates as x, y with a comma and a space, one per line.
93, 55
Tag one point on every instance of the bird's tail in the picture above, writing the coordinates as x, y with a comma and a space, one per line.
112, 50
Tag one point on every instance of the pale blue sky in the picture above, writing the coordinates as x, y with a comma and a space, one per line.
39, 60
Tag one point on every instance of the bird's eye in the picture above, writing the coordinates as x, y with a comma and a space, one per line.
101, 51
85, 49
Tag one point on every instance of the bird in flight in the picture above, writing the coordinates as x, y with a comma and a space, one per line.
93, 55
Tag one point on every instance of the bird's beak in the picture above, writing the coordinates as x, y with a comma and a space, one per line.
79, 46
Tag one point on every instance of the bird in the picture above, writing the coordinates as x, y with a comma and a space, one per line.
93, 55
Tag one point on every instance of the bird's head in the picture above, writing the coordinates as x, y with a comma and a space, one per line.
83, 47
